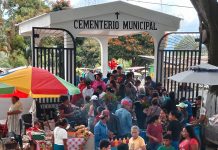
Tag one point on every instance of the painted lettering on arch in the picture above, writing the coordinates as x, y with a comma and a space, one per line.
114, 25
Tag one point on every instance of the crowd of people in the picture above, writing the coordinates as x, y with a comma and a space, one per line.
120, 107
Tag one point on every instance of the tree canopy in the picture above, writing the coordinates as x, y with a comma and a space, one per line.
127, 48
17, 48
12, 12
88, 52
130, 47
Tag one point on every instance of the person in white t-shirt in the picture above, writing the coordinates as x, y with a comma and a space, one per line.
60, 135
88, 90
201, 111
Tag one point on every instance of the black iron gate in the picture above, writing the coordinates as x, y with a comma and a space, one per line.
176, 52
57, 54
54, 49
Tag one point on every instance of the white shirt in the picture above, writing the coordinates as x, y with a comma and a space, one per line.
59, 135
203, 111
13, 122
87, 92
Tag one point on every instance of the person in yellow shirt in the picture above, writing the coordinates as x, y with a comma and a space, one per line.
136, 142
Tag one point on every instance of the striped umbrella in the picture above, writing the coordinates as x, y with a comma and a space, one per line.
6, 89
37, 83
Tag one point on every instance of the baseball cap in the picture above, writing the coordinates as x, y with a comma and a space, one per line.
126, 102
94, 98
182, 105
104, 113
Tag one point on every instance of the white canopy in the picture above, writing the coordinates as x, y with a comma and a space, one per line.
207, 75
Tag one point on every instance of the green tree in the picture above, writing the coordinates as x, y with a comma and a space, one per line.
130, 47
4, 63
20, 10
123, 48
88, 52
60, 5
16, 46
3, 33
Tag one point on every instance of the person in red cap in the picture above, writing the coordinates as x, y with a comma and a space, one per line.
125, 118
101, 131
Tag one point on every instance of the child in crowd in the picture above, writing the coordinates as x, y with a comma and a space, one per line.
167, 143
123, 146
60, 135
105, 145
136, 142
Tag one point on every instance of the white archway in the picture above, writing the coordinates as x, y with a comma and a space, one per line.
105, 21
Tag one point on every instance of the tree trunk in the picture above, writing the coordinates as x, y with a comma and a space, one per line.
213, 53
208, 11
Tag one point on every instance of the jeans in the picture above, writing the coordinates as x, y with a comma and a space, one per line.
175, 144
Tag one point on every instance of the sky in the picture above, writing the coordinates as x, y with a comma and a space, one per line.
189, 16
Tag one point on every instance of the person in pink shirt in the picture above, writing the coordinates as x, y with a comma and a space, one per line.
98, 82
189, 141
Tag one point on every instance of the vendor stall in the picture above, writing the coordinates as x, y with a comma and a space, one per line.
39, 139
80, 138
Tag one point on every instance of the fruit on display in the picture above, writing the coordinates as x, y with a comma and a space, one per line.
80, 132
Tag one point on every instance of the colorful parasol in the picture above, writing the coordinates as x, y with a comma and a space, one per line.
37, 83
6, 89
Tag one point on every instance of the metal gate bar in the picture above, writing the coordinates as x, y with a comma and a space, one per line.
53, 59
177, 59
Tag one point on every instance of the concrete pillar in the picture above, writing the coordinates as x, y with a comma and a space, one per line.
156, 37
103, 40
68, 43
34, 60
